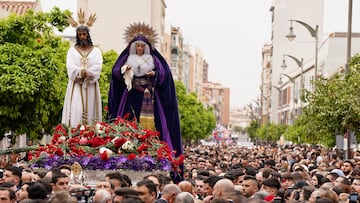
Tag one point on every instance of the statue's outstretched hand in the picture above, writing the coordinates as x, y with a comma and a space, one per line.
150, 73
128, 68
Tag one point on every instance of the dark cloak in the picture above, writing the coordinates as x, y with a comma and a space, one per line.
166, 115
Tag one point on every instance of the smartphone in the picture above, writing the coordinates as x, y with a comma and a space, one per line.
353, 198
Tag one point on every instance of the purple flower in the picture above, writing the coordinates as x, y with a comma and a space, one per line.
149, 159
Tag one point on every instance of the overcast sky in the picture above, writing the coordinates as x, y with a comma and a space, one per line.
231, 34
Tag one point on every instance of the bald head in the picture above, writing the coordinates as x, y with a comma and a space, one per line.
223, 188
170, 192
171, 189
102, 196
225, 185
186, 186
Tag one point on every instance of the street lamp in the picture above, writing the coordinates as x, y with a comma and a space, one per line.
300, 64
288, 76
314, 32
347, 137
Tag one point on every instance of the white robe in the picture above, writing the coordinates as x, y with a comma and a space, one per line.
88, 94
140, 64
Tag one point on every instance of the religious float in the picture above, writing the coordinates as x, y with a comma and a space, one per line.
93, 151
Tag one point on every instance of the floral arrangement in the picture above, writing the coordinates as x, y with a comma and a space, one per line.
121, 144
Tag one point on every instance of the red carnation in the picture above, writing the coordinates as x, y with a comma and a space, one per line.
29, 156
104, 156
119, 142
141, 148
59, 152
131, 156
60, 128
181, 159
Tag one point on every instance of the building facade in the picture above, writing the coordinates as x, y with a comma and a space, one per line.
265, 87
114, 16
292, 64
282, 11
218, 97
241, 117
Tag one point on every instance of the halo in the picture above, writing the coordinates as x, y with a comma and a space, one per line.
140, 29
82, 19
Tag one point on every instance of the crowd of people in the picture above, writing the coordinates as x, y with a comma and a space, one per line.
213, 174
305, 173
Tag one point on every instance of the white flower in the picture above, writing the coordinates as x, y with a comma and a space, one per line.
113, 140
82, 127
99, 128
106, 150
62, 138
128, 146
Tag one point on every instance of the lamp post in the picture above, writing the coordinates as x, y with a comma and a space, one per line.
314, 32
347, 136
300, 64
349, 33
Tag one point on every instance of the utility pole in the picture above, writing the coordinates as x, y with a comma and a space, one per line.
347, 136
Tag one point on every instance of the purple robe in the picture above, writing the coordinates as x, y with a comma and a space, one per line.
166, 114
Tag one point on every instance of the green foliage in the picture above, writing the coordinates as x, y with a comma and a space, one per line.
270, 132
25, 29
109, 59
32, 73
58, 18
196, 121
332, 108
251, 130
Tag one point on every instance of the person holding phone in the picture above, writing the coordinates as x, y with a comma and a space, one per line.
353, 198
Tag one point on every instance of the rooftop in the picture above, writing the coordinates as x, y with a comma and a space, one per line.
17, 6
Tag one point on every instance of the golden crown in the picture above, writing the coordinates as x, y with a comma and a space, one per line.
82, 19
140, 29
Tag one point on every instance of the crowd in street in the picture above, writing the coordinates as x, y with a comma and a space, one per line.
212, 174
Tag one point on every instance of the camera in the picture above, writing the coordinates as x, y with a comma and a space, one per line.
1, 173
353, 198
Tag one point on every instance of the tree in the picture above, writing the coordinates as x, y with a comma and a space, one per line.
252, 128
32, 72
196, 121
270, 132
109, 59
332, 109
